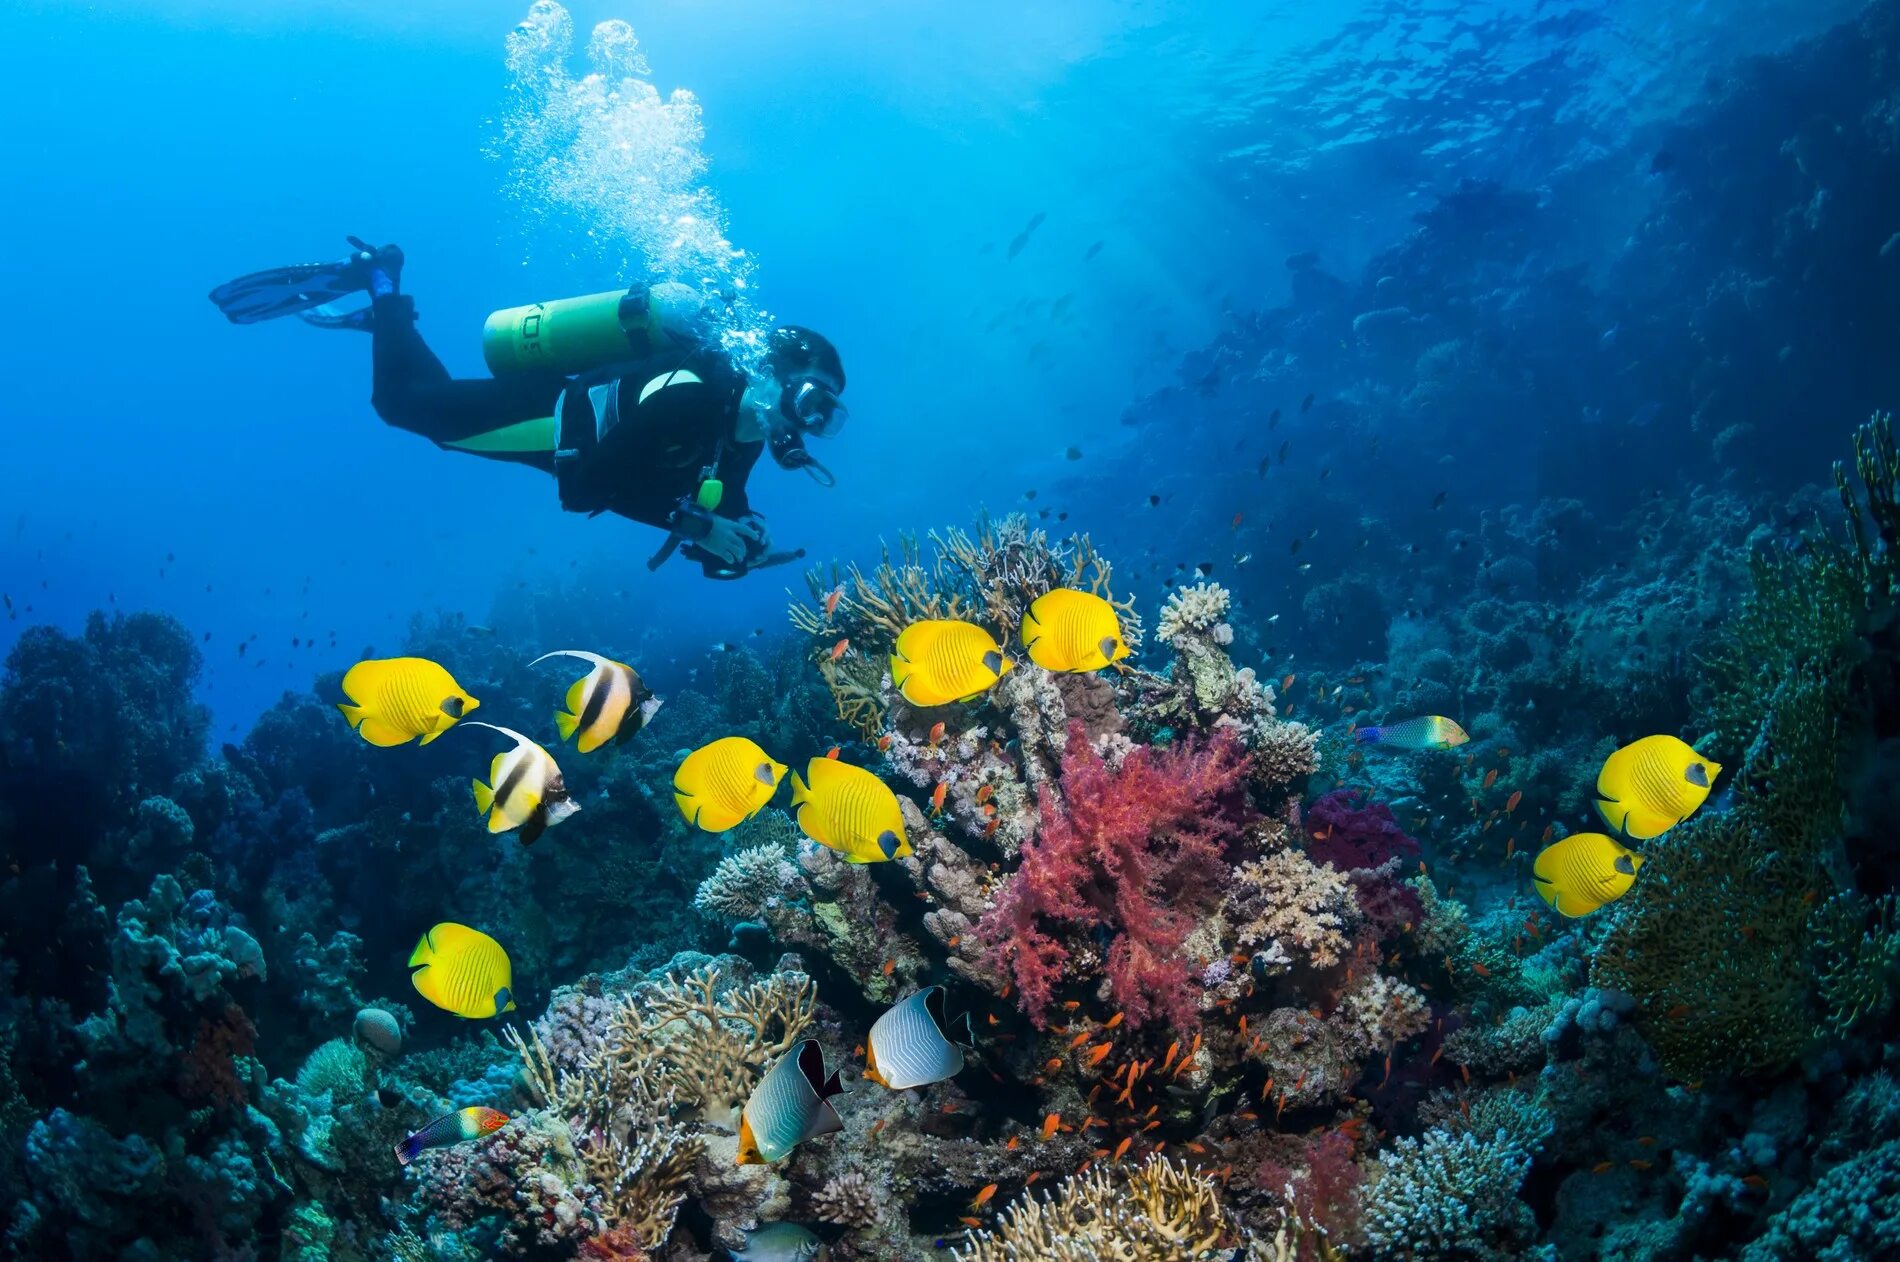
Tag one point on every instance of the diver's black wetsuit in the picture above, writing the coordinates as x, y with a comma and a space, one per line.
631, 439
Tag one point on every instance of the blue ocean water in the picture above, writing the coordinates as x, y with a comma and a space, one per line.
876, 167
1474, 350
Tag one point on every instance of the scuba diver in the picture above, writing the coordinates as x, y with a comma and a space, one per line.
626, 398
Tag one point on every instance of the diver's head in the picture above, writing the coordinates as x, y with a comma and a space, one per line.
808, 376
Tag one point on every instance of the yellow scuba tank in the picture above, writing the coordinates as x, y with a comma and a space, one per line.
571, 335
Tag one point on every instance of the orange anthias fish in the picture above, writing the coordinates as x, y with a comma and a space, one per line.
936, 732
1490, 777
1113, 1021
1049, 1125
1121, 1149
1097, 1053
985, 793
838, 649
982, 1197
884, 743
936, 797
831, 601
833, 752
1510, 803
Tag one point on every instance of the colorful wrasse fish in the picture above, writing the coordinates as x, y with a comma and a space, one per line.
608, 703
451, 1128
1432, 731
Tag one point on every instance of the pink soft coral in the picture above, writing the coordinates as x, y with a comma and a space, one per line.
1132, 854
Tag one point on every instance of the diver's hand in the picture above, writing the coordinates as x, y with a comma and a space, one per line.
731, 541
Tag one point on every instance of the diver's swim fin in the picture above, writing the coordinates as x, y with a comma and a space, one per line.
301, 287
331, 316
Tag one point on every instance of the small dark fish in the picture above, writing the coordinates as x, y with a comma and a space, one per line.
1438, 500
1265, 463
1274, 420
1325, 473
1029, 495
1284, 447
1306, 404
1074, 453
1092, 251
1154, 501
1295, 549
1661, 162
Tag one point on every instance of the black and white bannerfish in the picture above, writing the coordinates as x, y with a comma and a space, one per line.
790, 1105
915, 1044
524, 790
608, 703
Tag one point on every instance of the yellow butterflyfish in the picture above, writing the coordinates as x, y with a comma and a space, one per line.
938, 661
394, 700
849, 810
1647, 788
1068, 630
723, 784
462, 970
1583, 872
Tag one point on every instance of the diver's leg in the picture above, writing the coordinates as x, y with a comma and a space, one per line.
492, 417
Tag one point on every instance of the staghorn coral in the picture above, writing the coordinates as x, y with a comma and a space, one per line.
1286, 901
1133, 854
989, 577
706, 1049
1157, 1212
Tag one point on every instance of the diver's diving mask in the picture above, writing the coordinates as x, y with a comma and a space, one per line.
806, 406
813, 406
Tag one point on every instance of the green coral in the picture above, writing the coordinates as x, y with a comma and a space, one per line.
308, 1233
1873, 514
1803, 613
337, 1068
1712, 939
1857, 958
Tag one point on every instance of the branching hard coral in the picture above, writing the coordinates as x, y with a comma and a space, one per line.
1449, 1197
746, 884
989, 578
1133, 855
1284, 898
1158, 1212
1856, 959
708, 1049
1712, 939
1200, 608
634, 1160
1851, 1213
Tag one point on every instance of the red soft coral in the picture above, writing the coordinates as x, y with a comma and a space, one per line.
1132, 854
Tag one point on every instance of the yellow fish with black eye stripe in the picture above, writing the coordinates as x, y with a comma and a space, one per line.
394, 700
464, 971
608, 703
1071, 631
850, 810
1584, 871
525, 791
937, 661
1647, 788
723, 783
